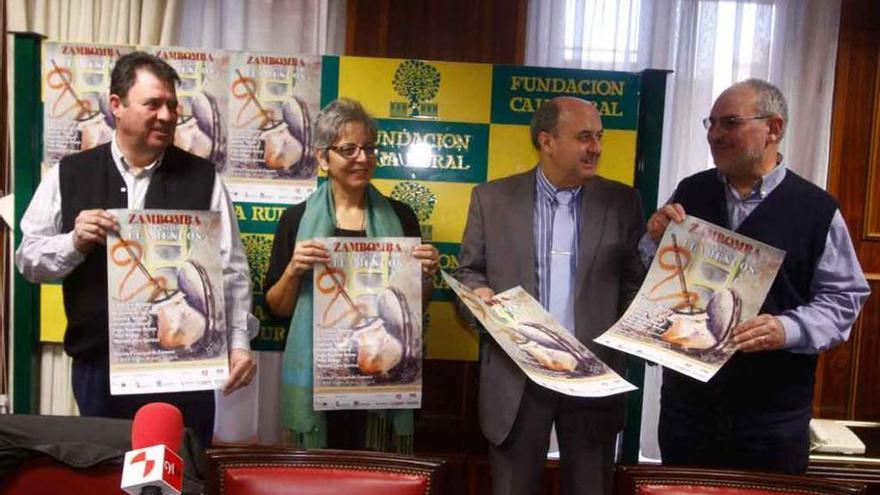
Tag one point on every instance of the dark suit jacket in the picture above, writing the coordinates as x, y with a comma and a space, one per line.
498, 251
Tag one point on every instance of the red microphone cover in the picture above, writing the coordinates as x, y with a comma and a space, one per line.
157, 423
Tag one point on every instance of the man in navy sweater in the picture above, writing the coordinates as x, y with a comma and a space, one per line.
755, 413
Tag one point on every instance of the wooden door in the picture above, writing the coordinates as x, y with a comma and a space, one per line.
848, 380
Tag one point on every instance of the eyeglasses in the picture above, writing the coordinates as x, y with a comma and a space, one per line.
350, 151
731, 123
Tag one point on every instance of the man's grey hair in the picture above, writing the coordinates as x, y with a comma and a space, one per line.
544, 119
336, 114
770, 99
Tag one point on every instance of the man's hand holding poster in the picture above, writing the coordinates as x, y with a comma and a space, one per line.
368, 325
703, 282
165, 302
539, 345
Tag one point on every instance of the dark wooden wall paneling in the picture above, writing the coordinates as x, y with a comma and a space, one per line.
490, 31
848, 382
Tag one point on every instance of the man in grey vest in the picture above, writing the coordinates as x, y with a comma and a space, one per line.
569, 238
755, 413
65, 229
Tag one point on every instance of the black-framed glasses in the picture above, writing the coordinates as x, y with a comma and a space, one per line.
350, 151
732, 122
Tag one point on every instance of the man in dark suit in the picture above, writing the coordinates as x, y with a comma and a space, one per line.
65, 230
569, 238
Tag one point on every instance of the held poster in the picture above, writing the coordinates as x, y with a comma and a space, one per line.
165, 302
548, 354
703, 282
368, 325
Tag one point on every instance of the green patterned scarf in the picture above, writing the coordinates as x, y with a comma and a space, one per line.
309, 427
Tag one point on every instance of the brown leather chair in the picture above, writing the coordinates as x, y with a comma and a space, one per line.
275, 470
661, 480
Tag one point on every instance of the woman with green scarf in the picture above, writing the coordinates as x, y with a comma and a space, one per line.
346, 205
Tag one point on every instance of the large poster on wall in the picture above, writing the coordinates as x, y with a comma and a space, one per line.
76, 108
273, 100
201, 122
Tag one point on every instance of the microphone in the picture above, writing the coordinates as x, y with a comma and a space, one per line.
153, 467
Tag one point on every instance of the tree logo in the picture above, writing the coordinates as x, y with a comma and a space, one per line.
418, 82
421, 200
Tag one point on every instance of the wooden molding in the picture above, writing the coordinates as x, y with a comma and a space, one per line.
871, 228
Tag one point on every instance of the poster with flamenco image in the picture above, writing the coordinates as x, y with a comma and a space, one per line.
76, 104
201, 95
167, 318
547, 353
368, 325
273, 99
704, 281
